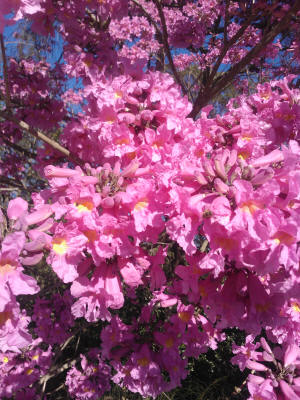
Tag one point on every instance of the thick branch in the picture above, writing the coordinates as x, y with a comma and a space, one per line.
39, 135
216, 87
5, 73
166, 45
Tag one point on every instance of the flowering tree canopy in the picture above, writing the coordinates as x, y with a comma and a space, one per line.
138, 209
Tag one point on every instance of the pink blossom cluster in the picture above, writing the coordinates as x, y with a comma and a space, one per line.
221, 189
171, 230
53, 319
19, 371
274, 373
92, 380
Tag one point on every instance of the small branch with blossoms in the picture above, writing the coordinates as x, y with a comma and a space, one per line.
148, 16
39, 135
215, 88
166, 45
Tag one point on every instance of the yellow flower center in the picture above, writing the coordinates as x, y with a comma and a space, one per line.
247, 138
118, 94
88, 63
296, 306
265, 96
143, 362
244, 155
251, 206
59, 246
169, 342
226, 243
5, 267
262, 307
143, 203
4, 317
84, 205
157, 144
203, 292
91, 234
289, 117
131, 155
122, 140
29, 371
284, 238
185, 316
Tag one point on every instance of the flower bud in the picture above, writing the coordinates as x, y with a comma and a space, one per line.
291, 354
108, 202
265, 345
40, 215
131, 168
232, 159
220, 186
208, 168
55, 172
220, 169
32, 260
256, 366
262, 176
288, 391
273, 157
200, 178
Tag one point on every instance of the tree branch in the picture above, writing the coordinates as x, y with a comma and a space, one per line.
39, 135
5, 74
216, 87
226, 46
226, 22
166, 45
19, 148
149, 17
11, 182
54, 371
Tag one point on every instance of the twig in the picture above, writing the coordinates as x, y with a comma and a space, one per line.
19, 148
5, 73
216, 87
12, 182
166, 45
226, 21
209, 387
9, 189
204, 246
39, 135
149, 17
56, 371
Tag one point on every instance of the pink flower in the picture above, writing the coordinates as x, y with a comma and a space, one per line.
131, 273
12, 280
103, 291
66, 251
13, 328
16, 208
